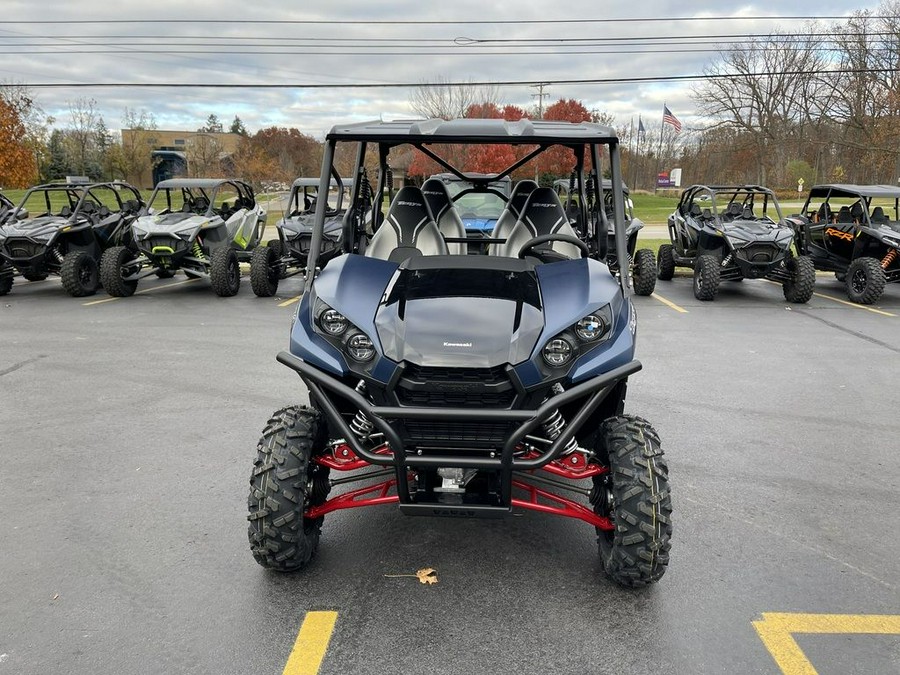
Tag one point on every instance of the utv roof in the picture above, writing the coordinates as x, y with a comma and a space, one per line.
204, 183
314, 182
729, 188
847, 190
522, 132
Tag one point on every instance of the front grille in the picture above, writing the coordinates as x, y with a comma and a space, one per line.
443, 435
759, 253
174, 243
431, 387
20, 249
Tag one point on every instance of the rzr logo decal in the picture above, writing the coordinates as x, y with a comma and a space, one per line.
838, 234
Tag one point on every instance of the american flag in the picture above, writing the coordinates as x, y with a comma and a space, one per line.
669, 118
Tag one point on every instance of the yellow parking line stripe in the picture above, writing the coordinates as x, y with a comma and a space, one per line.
146, 290
311, 644
775, 630
853, 304
289, 302
668, 303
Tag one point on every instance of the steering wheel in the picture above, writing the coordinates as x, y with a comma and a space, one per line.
544, 238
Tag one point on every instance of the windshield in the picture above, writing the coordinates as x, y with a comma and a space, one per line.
478, 204
179, 199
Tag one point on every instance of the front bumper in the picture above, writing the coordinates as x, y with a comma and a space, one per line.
387, 420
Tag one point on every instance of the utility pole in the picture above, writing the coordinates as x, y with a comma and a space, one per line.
540, 97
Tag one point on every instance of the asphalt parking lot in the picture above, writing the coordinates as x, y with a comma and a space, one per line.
128, 429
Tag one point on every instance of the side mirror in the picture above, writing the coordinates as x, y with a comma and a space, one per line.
21, 214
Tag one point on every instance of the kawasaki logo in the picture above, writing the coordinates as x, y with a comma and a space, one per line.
458, 344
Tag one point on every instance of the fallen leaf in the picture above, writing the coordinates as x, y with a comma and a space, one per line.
427, 575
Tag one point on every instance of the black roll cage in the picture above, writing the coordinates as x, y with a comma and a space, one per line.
580, 138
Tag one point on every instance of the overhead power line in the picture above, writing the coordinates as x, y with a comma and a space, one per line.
397, 85
415, 22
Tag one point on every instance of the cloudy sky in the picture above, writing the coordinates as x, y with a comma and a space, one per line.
362, 45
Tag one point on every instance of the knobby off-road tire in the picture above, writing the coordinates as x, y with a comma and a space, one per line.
111, 271
79, 274
644, 272
635, 496
803, 279
707, 274
278, 247
264, 271
225, 272
283, 485
865, 280
7, 278
665, 262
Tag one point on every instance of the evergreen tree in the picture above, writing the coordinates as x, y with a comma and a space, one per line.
237, 127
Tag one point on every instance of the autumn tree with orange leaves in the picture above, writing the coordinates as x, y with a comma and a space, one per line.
558, 162
477, 158
18, 167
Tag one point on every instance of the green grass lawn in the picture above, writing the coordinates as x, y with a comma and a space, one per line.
653, 208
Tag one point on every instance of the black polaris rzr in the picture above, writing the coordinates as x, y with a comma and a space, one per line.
467, 385
853, 231
204, 227
63, 228
643, 262
731, 233
286, 256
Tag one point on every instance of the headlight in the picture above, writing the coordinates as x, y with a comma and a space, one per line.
557, 352
333, 322
591, 328
360, 347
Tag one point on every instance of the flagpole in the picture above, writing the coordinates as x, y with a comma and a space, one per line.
662, 126
631, 144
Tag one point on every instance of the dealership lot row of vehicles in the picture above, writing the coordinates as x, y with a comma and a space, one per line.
103, 234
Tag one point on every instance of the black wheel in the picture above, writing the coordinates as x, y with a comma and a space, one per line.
803, 279
114, 267
265, 268
79, 274
225, 272
284, 483
278, 247
706, 277
35, 276
635, 496
7, 273
643, 272
164, 273
865, 280
665, 262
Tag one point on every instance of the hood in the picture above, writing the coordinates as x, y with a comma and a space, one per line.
169, 224
751, 231
479, 224
294, 226
475, 314
42, 227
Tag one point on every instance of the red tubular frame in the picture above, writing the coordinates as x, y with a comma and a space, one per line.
573, 467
